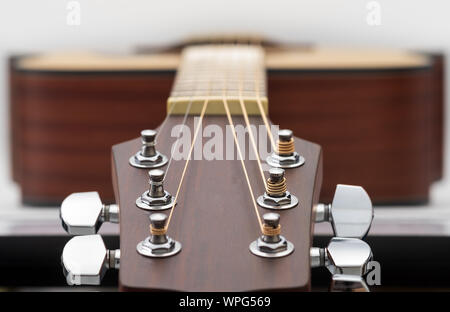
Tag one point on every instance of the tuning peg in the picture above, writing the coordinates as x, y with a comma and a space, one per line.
285, 155
276, 196
84, 213
347, 259
155, 198
271, 244
85, 260
148, 156
350, 213
158, 244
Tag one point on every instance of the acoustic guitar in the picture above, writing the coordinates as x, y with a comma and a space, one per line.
378, 114
201, 206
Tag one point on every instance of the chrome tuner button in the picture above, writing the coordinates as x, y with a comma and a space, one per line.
155, 198
348, 256
285, 156
347, 259
277, 196
148, 157
158, 244
84, 213
85, 260
350, 213
271, 244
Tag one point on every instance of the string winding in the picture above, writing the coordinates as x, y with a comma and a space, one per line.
271, 231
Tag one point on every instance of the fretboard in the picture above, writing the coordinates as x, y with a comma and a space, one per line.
218, 73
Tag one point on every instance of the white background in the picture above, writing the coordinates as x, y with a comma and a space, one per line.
118, 25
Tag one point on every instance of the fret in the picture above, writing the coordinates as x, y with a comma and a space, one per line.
218, 72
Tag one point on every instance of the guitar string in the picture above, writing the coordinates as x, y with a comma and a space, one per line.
202, 114
169, 113
252, 139
205, 104
261, 110
186, 114
188, 109
230, 121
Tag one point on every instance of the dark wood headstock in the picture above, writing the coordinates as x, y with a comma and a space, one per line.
214, 220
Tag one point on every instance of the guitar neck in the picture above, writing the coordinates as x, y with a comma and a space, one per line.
214, 74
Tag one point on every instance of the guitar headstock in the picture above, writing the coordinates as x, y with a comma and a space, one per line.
214, 220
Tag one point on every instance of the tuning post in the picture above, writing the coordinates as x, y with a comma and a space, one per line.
84, 213
347, 259
155, 198
350, 213
85, 260
271, 244
148, 157
276, 195
158, 244
285, 156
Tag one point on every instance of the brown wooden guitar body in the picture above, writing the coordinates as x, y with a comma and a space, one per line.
381, 129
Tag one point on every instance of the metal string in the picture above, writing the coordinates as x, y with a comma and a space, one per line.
202, 114
230, 121
252, 139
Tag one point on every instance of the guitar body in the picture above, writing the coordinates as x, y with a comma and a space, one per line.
380, 125
215, 232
